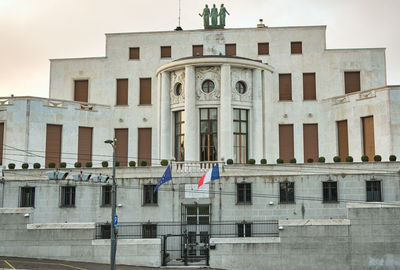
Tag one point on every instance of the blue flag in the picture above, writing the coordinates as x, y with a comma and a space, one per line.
165, 178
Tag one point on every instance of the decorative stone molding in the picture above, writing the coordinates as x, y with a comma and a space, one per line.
366, 94
244, 75
177, 77
55, 104
340, 100
208, 73
5, 101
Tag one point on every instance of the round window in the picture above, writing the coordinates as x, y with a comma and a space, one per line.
207, 86
178, 89
241, 87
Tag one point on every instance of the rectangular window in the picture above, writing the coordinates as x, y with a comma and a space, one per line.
286, 194
310, 140
53, 144
309, 87
197, 50
149, 196
286, 142
368, 137
106, 193
240, 135
134, 53
149, 230
144, 145
180, 136
329, 191
343, 141
27, 197
374, 191
1, 142
263, 48
351, 82
145, 91
122, 92
208, 134
165, 51
105, 231
230, 49
85, 145
296, 47
67, 196
121, 146
285, 86
81, 90
244, 229
243, 193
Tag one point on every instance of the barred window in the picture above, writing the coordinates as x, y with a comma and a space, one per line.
106, 192
329, 191
374, 191
286, 192
67, 196
244, 193
149, 196
244, 229
27, 197
149, 230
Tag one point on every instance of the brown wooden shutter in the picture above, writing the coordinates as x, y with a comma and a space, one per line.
1, 142
53, 144
368, 137
85, 145
310, 139
144, 145
285, 87
263, 48
286, 142
351, 82
122, 91
165, 51
134, 53
296, 47
230, 49
343, 141
309, 92
145, 90
81, 90
197, 50
121, 149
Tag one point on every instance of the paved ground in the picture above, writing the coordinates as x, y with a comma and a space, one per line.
39, 264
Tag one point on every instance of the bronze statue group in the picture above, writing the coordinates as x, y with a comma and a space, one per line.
214, 17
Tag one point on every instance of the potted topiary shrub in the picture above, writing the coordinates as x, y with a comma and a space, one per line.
364, 158
132, 163
77, 164
104, 164
143, 163
392, 158
11, 166
25, 166
336, 159
88, 164
377, 158
116, 163
310, 160
321, 159
63, 165
263, 161
52, 165
349, 159
292, 160
164, 162
279, 161
251, 161
36, 165
229, 161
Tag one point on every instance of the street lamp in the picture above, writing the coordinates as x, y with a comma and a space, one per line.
114, 218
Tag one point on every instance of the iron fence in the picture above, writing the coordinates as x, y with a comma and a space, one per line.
229, 229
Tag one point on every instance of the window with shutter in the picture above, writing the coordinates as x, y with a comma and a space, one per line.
81, 90
145, 91
165, 51
310, 138
122, 91
286, 142
351, 82
309, 91
197, 50
121, 146
53, 144
263, 48
85, 145
285, 87
134, 53
230, 49
296, 47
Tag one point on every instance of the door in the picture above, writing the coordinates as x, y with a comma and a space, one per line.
197, 225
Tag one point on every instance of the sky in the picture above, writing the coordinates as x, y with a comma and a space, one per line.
34, 31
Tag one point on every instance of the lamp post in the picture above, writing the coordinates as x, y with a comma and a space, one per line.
114, 218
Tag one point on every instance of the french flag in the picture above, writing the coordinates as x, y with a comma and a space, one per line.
211, 175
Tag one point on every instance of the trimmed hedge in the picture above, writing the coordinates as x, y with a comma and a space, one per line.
143, 163
251, 161
89, 164
337, 159
349, 159
279, 161
63, 165
292, 160
392, 158
25, 166
229, 161
321, 159
310, 160
11, 166
263, 161
164, 162
36, 165
377, 158
364, 158
52, 165
104, 164
77, 165
132, 163
117, 163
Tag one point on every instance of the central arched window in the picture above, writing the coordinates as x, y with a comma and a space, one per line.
207, 86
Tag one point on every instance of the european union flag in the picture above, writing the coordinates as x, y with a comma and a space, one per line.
165, 178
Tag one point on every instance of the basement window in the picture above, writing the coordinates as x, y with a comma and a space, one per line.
244, 229
67, 196
149, 230
27, 197
150, 197
374, 192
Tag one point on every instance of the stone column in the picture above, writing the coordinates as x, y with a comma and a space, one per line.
165, 117
226, 134
257, 138
191, 121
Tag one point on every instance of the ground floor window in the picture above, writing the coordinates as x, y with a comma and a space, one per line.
286, 194
374, 191
27, 197
244, 229
149, 230
329, 191
68, 196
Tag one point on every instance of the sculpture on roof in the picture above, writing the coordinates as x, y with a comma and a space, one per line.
222, 15
206, 17
214, 17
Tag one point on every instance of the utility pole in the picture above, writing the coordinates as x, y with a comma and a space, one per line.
114, 217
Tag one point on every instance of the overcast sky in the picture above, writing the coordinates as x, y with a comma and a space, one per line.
34, 31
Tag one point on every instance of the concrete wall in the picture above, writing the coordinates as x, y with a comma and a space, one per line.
69, 241
368, 239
